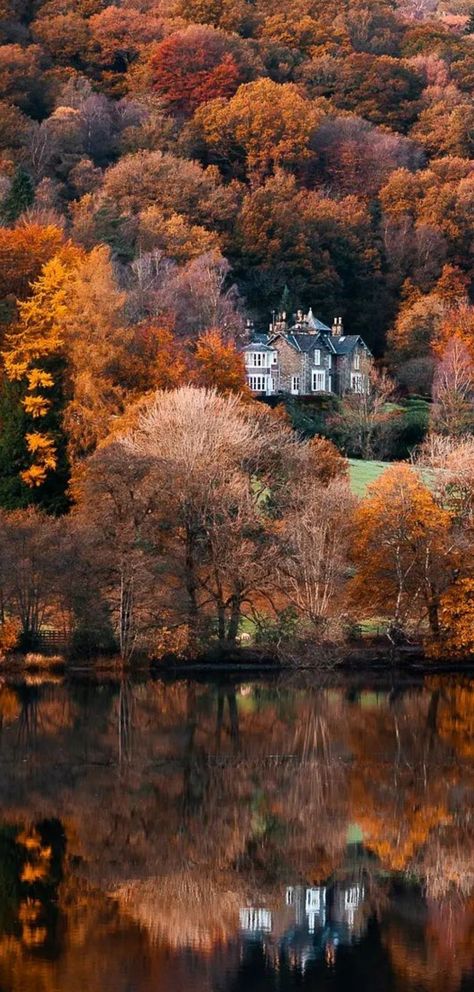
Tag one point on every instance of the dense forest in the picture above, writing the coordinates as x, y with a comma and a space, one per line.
169, 171
168, 167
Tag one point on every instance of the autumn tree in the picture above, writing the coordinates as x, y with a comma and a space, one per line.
118, 37
314, 561
192, 67
69, 351
209, 460
456, 614
21, 81
113, 500
23, 252
453, 390
322, 248
96, 344
264, 125
358, 157
425, 320
34, 357
458, 324
449, 460
200, 295
33, 563
157, 359
382, 89
218, 364
403, 551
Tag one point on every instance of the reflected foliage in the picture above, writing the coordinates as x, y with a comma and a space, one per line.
237, 836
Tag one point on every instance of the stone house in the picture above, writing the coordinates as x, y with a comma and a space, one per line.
305, 357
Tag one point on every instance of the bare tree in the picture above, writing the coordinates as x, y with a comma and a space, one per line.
453, 390
313, 570
365, 415
34, 570
113, 504
448, 462
211, 458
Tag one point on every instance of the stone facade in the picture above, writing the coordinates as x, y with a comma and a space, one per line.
305, 357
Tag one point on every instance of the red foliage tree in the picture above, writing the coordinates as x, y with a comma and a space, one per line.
194, 66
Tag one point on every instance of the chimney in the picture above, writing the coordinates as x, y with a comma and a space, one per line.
337, 328
278, 322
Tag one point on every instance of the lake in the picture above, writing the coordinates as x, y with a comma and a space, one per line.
295, 834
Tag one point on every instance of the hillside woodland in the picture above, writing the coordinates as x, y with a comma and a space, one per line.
170, 169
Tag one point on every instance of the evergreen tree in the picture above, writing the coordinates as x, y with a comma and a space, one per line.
14, 493
286, 304
15, 458
20, 196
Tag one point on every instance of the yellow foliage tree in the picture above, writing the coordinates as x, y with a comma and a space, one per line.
33, 355
270, 124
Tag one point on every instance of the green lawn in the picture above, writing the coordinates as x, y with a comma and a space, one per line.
363, 473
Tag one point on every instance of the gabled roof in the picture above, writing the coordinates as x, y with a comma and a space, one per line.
303, 342
346, 343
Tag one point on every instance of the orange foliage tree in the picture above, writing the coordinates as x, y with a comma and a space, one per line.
264, 123
23, 252
218, 364
457, 621
403, 550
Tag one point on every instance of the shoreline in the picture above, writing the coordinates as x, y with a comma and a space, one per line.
362, 661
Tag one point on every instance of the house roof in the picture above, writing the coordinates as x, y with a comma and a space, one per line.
316, 324
346, 343
304, 342
259, 342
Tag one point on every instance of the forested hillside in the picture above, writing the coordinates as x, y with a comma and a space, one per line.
171, 167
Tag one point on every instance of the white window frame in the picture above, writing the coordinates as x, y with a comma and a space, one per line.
315, 900
254, 920
295, 385
329, 361
356, 362
357, 382
317, 356
318, 381
257, 383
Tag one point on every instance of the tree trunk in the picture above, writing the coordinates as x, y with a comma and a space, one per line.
234, 620
433, 618
191, 581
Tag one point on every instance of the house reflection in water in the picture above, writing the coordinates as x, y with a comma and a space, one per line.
311, 924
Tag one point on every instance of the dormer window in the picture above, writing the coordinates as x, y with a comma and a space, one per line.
317, 357
357, 362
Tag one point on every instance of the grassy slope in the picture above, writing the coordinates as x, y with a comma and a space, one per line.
363, 473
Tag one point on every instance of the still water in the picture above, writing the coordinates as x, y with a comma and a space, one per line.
237, 837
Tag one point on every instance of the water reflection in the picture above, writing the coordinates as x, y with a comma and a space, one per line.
236, 836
